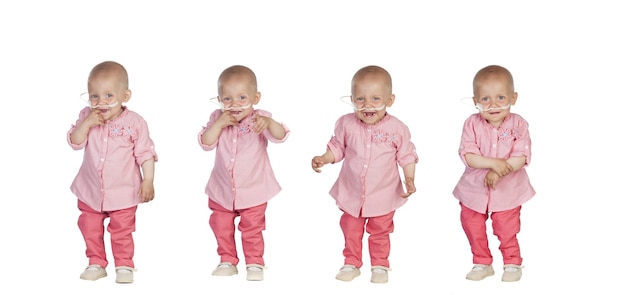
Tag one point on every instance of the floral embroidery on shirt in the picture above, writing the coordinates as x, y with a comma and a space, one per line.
506, 134
244, 127
115, 130
380, 136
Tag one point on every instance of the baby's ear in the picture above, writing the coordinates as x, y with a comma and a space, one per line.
514, 98
392, 98
127, 95
257, 98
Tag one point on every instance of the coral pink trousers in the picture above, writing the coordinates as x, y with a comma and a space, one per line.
378, 228
121, 227
506, 226
251, 226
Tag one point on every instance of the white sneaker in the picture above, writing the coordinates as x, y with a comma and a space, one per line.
479, 272
124, 275
255, 272
225, 269
93, 272
512, 273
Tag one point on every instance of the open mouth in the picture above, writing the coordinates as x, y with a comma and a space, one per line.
102, 109
369, 114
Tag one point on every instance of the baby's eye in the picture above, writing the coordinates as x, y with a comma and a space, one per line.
243, 97
110, 95
93, 97
501, 97
359, 99
485, 99
377, 98
226, 99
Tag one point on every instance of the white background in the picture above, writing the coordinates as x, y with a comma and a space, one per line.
567, 59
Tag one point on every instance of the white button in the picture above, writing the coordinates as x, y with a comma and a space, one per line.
368, 145
232, 160
101, 159
365, 165
234, 140
105, 140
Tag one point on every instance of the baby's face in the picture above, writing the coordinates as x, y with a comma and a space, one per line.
371, 97
494, 95
238, 96
107, 94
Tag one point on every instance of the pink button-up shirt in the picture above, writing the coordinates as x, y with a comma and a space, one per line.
242, 176
110, 177
511, 139
369, 182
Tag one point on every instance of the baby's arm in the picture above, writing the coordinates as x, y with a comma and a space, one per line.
516, 162
79, 135
499, 166
492, 177
212, 133
276, 129
146, 190
409, 175
319, 161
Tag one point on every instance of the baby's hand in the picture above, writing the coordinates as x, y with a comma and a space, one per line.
491, 179
146, 191
317, 163
260, 123
226, 119
501, 167
94, 118
410, 187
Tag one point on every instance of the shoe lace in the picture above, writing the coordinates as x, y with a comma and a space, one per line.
379, 270
123, 270
347, 268
93, 267
511, 269
478, 268
224, 265
254, 268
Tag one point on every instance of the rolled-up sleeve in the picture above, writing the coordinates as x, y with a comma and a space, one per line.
267, 133
144, 146
406, 149
212, 120
468, 140
337, 142
81, 117
521, 147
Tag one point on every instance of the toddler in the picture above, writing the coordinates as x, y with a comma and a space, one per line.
371, 143
242, 180
495, 148
117, 172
